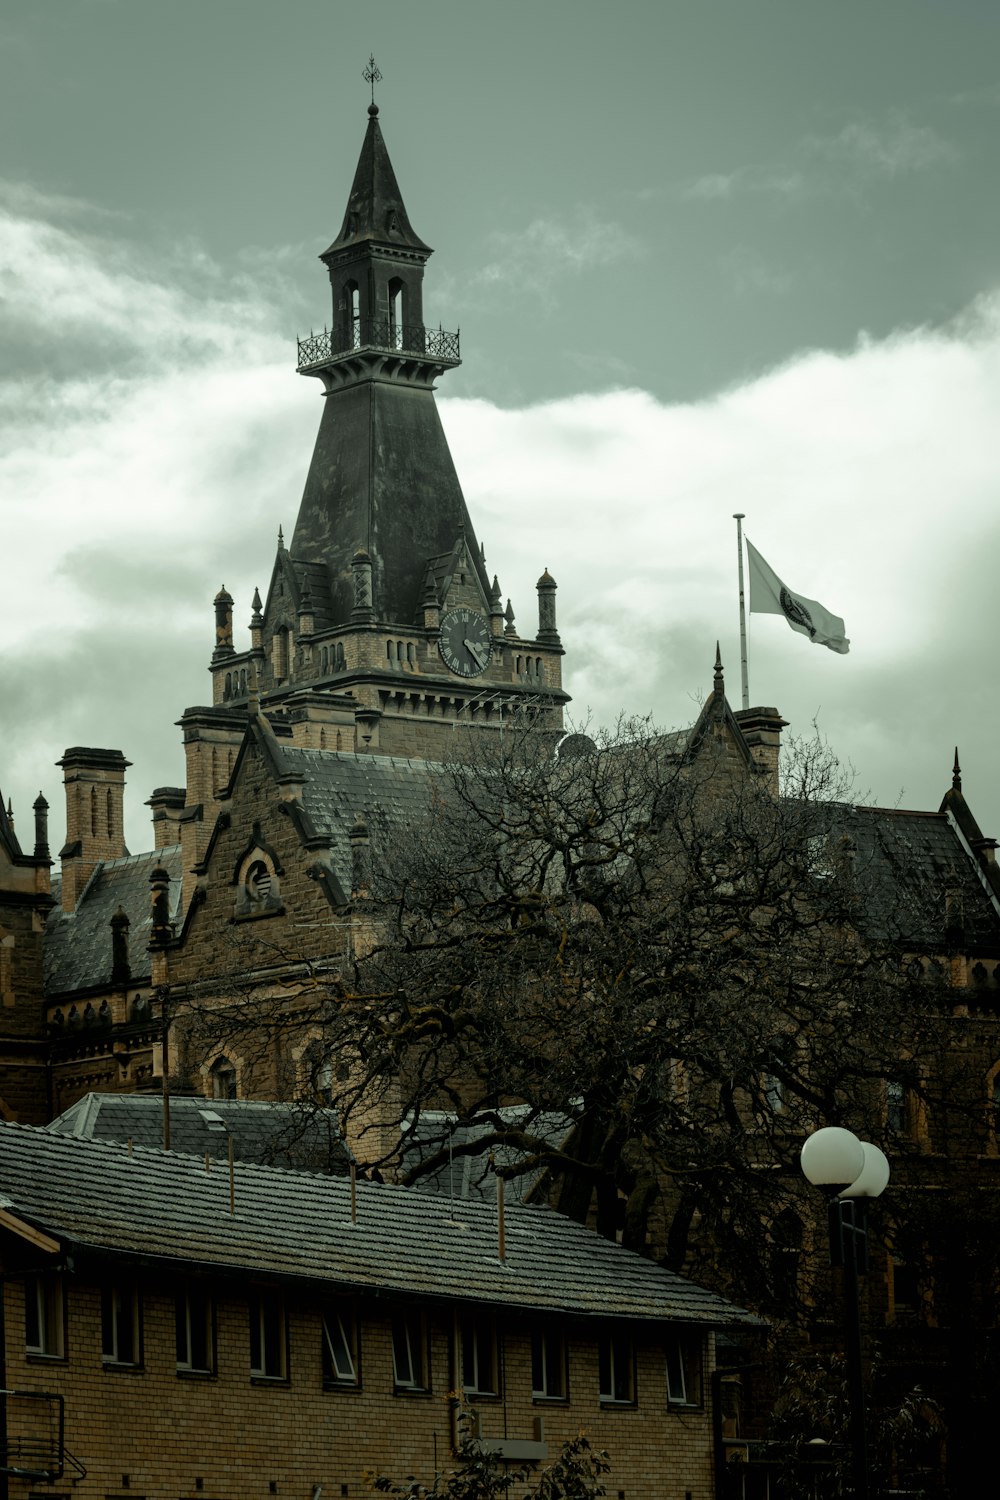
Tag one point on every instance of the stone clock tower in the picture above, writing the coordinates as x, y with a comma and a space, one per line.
382, 629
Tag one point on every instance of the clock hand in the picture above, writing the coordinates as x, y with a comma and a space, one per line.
477, 652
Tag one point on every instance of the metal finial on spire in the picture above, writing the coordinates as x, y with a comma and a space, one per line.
956, 773
373, 76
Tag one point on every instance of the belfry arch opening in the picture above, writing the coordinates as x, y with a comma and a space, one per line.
397, 312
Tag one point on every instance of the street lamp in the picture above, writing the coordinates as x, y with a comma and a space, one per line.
850, 1172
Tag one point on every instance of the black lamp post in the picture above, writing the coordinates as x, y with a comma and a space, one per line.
850, 1172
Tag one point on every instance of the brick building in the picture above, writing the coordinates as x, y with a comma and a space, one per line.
262, 1332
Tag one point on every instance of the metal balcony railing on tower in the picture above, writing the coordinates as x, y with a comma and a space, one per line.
381, 337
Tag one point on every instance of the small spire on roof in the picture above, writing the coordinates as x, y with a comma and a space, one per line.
258, 618
281, 540
956, 774
719, 682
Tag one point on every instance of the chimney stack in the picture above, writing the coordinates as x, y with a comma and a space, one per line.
95, 815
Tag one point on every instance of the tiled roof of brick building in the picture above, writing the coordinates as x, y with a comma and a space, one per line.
297, 1137
78, 943
163, 1209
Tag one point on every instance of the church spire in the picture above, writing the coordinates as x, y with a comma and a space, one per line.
375, 210
382, 481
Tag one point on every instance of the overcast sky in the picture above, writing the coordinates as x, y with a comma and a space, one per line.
706, 256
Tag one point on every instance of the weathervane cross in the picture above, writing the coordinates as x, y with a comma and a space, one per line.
372, 75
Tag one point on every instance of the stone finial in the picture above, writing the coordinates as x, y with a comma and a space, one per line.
10, 812
361, 860
257, 623
41, 811
306, 615
121, 968
956, 774
281, 540
509, 628
547, 608
718, 681
496, 608
223, 624
159, 885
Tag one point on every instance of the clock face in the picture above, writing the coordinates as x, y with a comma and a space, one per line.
465, 642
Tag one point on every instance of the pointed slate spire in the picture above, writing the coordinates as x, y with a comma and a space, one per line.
375, 208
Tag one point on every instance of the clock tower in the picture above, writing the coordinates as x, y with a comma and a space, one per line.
382, 629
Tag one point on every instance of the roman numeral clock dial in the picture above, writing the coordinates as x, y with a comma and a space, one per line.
465, 642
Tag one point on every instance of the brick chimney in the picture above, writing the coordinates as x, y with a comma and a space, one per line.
762, 731
95, 815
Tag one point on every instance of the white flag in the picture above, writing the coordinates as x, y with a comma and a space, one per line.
769, 596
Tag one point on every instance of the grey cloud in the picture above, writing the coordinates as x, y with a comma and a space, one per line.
891, 147
761, 181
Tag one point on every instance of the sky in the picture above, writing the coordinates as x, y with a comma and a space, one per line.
706, 256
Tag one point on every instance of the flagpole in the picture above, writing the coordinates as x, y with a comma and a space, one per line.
738, 518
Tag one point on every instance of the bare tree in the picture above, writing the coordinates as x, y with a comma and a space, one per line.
640, 971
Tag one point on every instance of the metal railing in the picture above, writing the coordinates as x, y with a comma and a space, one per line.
381, 336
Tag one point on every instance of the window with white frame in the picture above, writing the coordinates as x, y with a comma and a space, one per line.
548, 1365
120, 1326
43, 1316
340, 1346
616, 1368
410, 1370
480, 1373
193, 1320
268, 1345
684, 1368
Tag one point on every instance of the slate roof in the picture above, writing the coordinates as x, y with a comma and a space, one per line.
282, 1135
923, 884
78, 943
167, 1210
392, 794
